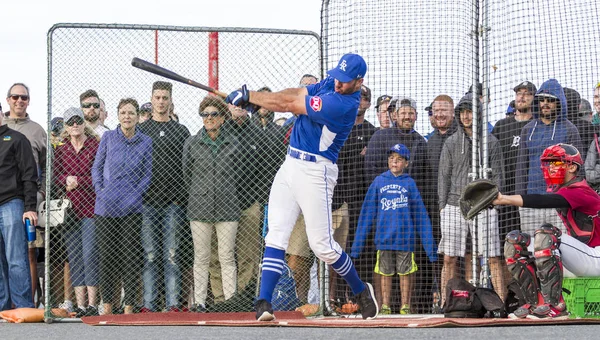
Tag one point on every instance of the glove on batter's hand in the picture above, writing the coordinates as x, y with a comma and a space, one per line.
241, 98
477, 196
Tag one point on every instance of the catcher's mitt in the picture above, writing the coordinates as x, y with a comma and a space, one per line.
476, 196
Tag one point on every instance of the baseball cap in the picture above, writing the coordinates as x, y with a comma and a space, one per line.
147, 107
398, 102
279, 115
365, 92
402, 150
585, 107
381, 99
511, 108
351, 66
526, 85
429, 109
56, 125
72, 112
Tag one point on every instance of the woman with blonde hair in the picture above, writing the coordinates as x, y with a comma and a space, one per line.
72, 174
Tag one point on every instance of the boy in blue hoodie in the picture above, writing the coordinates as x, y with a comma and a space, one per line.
394, 205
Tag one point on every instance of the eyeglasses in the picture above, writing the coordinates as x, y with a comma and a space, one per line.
75, 120
210, 114
88, 105
555, 163
16, 97
548, 99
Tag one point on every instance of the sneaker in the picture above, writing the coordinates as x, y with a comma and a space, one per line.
91, 311
198, 309
385, 310
367, 303
521, 312
264, 310
405, 310
79, 312
145, 310
67, 305
547, 311
173, 309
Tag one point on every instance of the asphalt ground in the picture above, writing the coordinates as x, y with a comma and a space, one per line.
76, 330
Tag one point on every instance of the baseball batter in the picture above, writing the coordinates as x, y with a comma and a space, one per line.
539, 269
304, 183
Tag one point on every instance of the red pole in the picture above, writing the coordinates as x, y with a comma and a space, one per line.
213, 60
156, 47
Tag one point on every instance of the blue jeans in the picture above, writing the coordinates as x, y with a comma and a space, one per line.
82, 251
160, 238
15, 279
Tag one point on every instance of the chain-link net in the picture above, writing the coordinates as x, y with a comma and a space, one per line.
424, 57
176, 220
167, 184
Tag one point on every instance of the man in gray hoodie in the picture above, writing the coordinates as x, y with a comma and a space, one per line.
453, 175
18, 119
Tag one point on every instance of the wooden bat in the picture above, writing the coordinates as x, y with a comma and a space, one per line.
161, 71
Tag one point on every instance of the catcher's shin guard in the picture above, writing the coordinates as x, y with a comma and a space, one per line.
521, 265
549, 265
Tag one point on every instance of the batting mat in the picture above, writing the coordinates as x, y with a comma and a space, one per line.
296, 319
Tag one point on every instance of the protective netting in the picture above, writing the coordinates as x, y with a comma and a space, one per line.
417, 51
196, 241
169, 184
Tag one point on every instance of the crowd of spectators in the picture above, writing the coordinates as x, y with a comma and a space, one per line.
167, 219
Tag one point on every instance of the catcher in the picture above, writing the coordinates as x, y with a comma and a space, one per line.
538, 268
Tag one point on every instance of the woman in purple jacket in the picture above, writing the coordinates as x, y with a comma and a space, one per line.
121, 174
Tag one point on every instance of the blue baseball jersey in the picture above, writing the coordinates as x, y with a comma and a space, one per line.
329, 120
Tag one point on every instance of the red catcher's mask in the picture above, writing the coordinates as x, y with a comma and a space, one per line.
565, 154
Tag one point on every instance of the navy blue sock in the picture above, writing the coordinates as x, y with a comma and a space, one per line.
346, 269
271, 272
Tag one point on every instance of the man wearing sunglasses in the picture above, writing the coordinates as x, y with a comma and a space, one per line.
326, 114
536, 260
17, 119
549, 126
90, 105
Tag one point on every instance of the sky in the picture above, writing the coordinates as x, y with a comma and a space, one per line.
23, 32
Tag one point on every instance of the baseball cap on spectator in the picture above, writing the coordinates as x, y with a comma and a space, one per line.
429, 109
585, 107
365, 93
398, 102
402, 150
72, 112
56, 125
381, 99
147, 107
511, 108
282, 115
351, 66
526, 85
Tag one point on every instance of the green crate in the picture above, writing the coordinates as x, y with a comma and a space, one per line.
584, 300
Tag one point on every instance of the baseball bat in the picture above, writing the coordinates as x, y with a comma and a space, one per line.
161, 71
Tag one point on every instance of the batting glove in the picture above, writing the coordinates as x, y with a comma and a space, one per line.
239, 97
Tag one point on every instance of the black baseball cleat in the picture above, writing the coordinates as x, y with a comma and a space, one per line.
367, 303
264, 310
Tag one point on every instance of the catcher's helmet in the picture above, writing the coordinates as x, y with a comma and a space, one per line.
565, 153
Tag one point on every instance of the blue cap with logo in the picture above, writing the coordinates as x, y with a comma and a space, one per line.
351, 66
402, 150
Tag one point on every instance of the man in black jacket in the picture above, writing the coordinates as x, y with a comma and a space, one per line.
18, 198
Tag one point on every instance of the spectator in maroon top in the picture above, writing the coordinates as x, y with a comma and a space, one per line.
73, 175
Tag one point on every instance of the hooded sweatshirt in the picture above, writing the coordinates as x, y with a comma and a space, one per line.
456, 156
537, 136
394, 206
